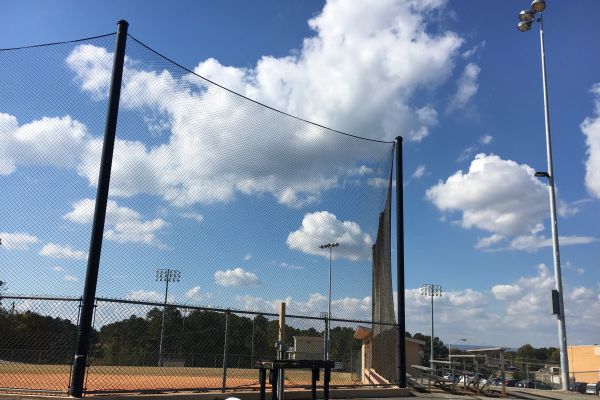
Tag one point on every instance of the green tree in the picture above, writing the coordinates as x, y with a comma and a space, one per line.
440, 350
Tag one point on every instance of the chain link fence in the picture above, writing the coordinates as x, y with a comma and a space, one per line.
203, 348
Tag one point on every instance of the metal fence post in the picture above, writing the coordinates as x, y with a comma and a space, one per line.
226, 349
91, 277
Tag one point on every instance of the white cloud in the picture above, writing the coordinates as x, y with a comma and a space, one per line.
569, 266
487, 242
378, 182
467, 87
394, 47
466, 153
193, 215
323, 227
248, 257
54, 141
472, 51
504, 292
503, 198
360, 171
59, 251
236, 277
94, 77
148, 295
57, 268
123, 224
591, 129
17, 240
510, 314
535, 242
292, 267
496, 195
347, 307
486, 139
196, 294
71, 278
420, 172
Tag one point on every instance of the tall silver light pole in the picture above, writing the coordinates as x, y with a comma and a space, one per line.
329, 246
431, 290
165, 275
527, 17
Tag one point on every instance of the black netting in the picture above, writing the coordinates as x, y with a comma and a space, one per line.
218, 210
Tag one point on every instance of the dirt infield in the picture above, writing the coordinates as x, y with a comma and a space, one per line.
115, 378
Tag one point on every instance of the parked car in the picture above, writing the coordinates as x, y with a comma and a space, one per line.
533, 384
453, 378
507, 382
471, 379
578, 387
592, 388
496, 382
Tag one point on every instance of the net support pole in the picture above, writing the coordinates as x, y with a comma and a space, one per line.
401, 355
281, 352
91, 277
225, 351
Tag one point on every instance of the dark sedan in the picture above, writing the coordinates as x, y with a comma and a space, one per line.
532, 384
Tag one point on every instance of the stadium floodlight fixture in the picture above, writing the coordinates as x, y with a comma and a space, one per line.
538, 6
524, 26
165, 275
431, 290
330, 246
526, 16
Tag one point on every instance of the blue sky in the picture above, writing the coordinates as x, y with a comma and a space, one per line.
461, 85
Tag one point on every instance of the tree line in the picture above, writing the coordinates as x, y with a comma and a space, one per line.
194, 339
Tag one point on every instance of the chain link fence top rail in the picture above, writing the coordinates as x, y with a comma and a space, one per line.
216, 201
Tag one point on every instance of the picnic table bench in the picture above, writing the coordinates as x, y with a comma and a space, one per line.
439, 380
275, 366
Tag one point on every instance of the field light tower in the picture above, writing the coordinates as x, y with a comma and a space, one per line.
527, 18
165, 275
431, 290
329, 246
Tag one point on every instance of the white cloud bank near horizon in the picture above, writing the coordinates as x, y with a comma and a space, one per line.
506, 314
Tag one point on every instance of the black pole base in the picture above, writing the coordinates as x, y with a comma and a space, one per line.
78, 374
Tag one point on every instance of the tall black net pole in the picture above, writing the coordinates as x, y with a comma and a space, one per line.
91, 278
400, 265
